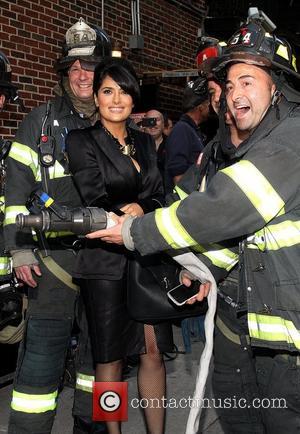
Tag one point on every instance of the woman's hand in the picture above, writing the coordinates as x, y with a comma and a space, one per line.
133, 209
204, 289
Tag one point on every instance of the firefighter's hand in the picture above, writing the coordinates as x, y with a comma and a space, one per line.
24, 273
204, 289
111, 235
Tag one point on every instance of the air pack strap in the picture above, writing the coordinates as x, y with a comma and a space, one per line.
58, 271
233, 337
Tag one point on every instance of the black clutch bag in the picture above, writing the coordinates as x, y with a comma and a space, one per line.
149, 279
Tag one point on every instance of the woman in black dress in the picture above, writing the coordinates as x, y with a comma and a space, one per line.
114, 167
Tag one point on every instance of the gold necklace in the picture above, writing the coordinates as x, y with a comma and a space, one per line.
127, 149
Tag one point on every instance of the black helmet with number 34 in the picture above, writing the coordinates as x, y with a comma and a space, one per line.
252, 44
87, 43
255, 43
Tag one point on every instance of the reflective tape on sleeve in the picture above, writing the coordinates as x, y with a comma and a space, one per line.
11, 213
171, 229
182, 194
218, 255
273, 329
5, 265
25, 155
84, 382
223, 258
257, 188
33, 403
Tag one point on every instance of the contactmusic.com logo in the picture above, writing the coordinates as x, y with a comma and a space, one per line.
110, 401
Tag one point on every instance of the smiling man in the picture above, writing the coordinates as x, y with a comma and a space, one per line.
36, 161
254, 204
249, 89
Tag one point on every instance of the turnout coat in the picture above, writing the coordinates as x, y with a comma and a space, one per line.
256, 199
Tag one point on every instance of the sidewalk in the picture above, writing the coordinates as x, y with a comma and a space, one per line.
181, 375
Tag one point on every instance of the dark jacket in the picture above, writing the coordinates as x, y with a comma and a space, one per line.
24, 169
183, 146
108, 179
257, 198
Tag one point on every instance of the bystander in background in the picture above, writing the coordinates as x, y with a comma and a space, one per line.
186, 140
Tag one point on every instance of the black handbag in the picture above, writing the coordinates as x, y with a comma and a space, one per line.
148, 281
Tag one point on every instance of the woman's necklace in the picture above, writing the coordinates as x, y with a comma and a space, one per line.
127, 149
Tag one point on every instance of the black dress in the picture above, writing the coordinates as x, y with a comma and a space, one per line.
106, 178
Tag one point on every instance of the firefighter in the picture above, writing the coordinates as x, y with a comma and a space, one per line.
252, 204
37, 163
8, 92
11, 300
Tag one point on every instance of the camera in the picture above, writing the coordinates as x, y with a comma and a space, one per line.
80, 220
148, 122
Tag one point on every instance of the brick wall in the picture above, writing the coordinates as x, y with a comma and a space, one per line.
31, 33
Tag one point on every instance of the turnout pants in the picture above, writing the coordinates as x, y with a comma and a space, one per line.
256, 390
40, 368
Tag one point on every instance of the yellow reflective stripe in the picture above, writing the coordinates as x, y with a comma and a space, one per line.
219, 256
294, 62
11, 213
182, 194
2, 204
85, 382
275, 237
25, 155
273, 329
282, 51
5, 265
257, 188
55, 171
224, 258
33, 403
171, 229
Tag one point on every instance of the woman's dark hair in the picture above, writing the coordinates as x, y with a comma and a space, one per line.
122, 72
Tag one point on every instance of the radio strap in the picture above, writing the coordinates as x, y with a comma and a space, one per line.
46, 148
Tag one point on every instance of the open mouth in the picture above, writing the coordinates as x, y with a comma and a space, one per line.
241, 110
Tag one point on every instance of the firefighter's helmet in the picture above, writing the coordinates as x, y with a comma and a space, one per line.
195, 93
254, 45
208, 51
88, 43
6, 86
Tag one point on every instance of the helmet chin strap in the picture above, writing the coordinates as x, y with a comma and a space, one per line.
283, 88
